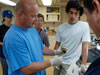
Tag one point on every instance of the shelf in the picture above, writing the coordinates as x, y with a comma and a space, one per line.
53, 14
53, 10
52, 21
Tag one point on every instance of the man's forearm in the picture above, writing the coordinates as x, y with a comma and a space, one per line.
84, 57
84, 53
57, 45
47, 51
35, 67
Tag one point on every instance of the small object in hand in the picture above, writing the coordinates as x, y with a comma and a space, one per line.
64, 49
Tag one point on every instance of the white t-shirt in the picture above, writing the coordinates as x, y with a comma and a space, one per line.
72, 37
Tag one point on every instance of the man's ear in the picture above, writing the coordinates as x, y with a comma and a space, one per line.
97, 5
20, 13
97, 8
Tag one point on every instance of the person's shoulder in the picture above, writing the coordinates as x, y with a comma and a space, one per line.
2, 26
13, 30
82, 22
62, 25
33, 29
43, 32
84, 25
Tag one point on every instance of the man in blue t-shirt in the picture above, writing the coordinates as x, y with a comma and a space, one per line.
22, 45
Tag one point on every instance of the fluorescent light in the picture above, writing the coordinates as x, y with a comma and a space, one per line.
8, 2
47, 2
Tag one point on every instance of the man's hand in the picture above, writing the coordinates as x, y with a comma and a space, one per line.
61, 51
56, 61
58, 52
83, 68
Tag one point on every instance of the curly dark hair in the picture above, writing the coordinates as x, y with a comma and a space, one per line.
74, 4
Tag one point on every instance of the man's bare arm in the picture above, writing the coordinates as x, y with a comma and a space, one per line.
84, 52
57, 45
35, 67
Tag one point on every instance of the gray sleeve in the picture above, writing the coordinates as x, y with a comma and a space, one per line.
46, 40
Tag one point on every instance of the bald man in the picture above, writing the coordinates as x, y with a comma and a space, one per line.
22, 45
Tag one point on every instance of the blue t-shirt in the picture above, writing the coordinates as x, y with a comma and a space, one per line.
21, 47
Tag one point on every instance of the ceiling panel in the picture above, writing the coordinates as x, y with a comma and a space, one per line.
18, 0
54, 2
15, 1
